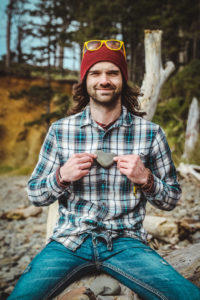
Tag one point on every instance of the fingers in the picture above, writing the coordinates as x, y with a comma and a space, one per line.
77, 166
126, 157
131, 166
127, 161
85, 154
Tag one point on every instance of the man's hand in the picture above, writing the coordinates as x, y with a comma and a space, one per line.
77, 166
132, 167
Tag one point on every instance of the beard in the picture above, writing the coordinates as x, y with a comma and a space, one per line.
104, 98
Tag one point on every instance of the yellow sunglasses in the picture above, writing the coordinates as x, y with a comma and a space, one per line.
94, 45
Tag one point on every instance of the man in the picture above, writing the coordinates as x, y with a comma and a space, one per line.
102, 201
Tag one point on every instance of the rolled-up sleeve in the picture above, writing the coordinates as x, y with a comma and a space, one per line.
166, 191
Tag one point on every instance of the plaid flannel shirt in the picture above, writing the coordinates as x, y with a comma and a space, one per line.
103, 201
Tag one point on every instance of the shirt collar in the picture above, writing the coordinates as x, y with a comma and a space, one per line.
125, 118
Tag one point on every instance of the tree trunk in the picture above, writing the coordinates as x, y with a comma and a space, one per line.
61, 57
155, 75
8, 32
19, 44
192, 130
62, 47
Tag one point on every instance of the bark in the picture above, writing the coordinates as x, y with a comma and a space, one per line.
155, 75
192, 130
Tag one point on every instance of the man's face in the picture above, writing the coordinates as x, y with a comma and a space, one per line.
104, 83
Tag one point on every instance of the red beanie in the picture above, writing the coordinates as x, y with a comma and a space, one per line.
104, 54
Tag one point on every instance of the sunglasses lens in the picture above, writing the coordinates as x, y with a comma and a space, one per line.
113, 44
93, 45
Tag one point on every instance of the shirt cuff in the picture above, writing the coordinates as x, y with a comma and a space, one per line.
63, 185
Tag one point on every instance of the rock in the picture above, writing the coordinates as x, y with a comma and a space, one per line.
24, 261
196, 237
105, 159
104, 285
22, 213
81, 293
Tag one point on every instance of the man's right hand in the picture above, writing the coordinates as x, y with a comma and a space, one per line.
77, 166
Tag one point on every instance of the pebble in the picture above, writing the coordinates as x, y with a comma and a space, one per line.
105, 286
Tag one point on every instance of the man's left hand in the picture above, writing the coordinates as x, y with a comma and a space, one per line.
132, 167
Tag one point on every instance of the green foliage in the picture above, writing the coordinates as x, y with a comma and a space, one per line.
172, 110
12, 171
186, 83
31, 71
36, 94
62, 102
4, 169
168, 117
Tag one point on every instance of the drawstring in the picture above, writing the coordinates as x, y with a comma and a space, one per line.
98, 231
106, 236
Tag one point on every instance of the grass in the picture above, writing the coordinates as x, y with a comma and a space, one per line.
11, 171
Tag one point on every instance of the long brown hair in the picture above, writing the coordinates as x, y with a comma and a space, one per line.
129, 98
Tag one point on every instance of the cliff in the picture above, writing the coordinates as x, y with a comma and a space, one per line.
20, 144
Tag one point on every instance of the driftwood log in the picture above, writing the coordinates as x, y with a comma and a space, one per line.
192, 130
155, 75
187, 262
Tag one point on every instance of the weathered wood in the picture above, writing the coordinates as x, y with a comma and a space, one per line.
187, 262
155, 75
165, 229
187, 170
192, 130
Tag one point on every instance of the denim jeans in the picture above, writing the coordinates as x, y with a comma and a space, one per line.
133, 263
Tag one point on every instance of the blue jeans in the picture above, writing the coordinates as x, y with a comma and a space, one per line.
133, 263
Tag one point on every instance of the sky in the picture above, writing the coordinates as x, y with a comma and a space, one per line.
69, 62
3, 4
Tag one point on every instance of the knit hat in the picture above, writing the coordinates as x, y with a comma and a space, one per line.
103, 54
